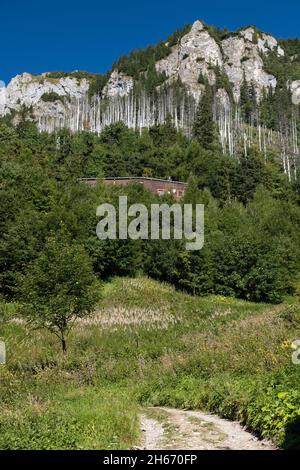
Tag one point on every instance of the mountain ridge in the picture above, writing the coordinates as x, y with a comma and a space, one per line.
196, 50
251, 73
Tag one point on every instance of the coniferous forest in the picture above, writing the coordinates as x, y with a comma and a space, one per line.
251, 221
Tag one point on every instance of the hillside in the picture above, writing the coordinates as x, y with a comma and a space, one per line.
99, 331
147, 344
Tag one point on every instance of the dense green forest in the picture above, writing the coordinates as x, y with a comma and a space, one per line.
213, 352
252, 216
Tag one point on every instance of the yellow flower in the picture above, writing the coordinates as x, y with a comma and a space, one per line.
286, 344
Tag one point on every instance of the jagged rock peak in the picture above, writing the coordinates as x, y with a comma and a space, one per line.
197, 53
239, 55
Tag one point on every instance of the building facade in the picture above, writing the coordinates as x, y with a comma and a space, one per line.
155, 185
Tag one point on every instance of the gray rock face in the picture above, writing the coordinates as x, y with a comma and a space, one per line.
27, 90
265, 42
242, 59
119, 84
197, 53
295, 89
2, 99
248, 33
238, 56
222, 98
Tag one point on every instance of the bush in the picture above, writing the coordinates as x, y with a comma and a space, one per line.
51, 97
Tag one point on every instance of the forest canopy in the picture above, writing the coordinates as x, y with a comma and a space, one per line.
252, 214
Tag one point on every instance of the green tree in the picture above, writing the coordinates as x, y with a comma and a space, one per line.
250, 173
204, 126
248, 100
58, 287
192, 192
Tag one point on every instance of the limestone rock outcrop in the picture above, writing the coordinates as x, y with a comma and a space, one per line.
2, 98
238, 56
118, 84
242, 59
197, 53
28, 90
295, 89
201, 54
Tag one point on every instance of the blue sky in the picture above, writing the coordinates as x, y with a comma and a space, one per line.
66, 35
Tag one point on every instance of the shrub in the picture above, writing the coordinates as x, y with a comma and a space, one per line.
51, 97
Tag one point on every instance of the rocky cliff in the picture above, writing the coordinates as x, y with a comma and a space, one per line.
240, 56
198, 57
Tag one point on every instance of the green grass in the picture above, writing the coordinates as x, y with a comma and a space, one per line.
148, 344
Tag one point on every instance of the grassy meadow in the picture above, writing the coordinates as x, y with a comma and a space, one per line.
148, 344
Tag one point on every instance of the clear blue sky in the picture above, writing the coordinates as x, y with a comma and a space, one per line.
38, 36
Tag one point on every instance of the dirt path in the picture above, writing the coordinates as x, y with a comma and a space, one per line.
169, 429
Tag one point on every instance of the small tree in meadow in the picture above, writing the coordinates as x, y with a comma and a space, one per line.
59, 287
